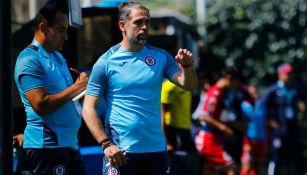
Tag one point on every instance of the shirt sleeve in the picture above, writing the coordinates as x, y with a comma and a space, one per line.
30, 73
171, 66
268, 101
98, 79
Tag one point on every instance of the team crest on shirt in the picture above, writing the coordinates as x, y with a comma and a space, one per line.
59, 170
150, 61
113, 171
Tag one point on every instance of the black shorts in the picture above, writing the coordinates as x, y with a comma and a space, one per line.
154, 163
57, 161
180, 139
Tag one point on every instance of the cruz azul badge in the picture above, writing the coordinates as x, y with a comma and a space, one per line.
150, 61
113, 171
59, 170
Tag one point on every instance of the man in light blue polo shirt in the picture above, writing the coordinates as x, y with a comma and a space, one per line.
46, 89
129, 77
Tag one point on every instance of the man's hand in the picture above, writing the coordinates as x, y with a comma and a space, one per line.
184, 58
170, 151
82, 80
186, 78
19, 138
115, 156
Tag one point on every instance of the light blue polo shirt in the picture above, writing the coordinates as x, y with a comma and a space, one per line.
131, 84
36, 68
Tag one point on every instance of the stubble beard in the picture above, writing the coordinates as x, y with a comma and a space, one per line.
134, 41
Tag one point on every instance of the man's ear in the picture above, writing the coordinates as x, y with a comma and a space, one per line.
43, 28
122, 26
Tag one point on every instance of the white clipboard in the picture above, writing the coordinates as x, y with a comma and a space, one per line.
76, 102
79, 96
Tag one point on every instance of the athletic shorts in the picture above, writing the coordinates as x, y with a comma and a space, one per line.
180, 139
258, 150
156, 163
55, 161
152, 163
210, 145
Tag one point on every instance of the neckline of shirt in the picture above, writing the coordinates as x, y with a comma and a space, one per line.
41, 49
132, 52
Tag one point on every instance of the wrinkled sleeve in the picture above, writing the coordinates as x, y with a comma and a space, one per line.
268, 102
30, 73
98, 79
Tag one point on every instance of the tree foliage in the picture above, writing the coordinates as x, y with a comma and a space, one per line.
186, 7
254, 35
257, 35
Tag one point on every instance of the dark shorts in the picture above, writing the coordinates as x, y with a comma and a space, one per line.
180, 139
55, 161
153, 163
156, 163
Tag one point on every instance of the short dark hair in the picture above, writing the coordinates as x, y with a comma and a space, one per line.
233, 72
126, 7
47, 14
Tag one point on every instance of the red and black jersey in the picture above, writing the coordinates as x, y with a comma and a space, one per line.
214, 103
213, 106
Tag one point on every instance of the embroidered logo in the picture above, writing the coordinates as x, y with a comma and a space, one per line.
59, 170
150, 61
113, 171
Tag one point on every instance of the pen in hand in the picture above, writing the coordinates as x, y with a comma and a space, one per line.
123, 151
75, 71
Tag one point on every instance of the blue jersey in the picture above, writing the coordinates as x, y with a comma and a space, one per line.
256, 129
36, 68
130, 83
233, 102
282, 106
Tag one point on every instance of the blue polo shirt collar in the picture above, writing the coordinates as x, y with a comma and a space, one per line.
41, 49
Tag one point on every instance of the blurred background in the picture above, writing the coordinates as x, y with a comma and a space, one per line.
254, 35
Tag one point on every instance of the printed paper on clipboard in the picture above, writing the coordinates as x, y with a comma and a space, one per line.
76, 101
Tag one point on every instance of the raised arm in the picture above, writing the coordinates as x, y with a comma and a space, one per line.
186, 78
